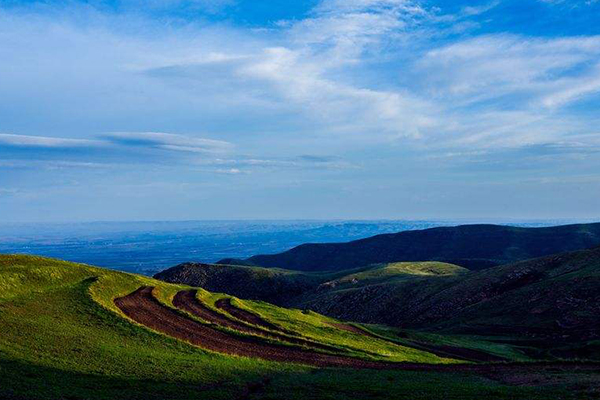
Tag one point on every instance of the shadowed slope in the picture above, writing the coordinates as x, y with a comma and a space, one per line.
554, 298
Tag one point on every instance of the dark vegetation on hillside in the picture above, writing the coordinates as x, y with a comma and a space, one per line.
556, 296
272, 285
471, 246
549, 302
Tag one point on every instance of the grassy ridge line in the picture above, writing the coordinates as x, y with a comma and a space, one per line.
63, 329
402, 270
319, 328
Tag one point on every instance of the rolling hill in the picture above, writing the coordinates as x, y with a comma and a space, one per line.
554, 298
471, 246
73, 331
551, 296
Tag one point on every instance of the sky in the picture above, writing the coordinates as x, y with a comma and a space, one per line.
299, 109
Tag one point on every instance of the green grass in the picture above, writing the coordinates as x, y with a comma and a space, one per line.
404, 336
319, 328
401, 270
61, 337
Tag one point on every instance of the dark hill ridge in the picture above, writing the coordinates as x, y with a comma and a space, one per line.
549, 302
272, 284
556, 295
471, 246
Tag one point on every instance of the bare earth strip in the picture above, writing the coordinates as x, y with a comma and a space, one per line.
142, 307
243, 315
186, 300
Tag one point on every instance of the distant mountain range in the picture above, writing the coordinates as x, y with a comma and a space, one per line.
471, 246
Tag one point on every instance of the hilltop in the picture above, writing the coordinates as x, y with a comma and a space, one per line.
471, 246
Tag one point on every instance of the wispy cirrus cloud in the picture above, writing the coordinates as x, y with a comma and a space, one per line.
157, 140
245, 163
167, 141
117, 149
107, 150
494, 66
508, 90
24, 141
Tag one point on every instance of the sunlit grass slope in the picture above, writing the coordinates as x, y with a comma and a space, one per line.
393, 272
62, 337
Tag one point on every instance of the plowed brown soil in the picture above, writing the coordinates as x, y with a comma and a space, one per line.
186, 300
243, 315
142, 307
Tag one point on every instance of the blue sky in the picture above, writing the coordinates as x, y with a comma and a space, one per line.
238, 109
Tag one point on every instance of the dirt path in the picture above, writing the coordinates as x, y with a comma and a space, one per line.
246, 316
186, 300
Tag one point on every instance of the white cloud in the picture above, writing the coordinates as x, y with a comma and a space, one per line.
167, 141
244, 163
570, 89
45, 142
118, 141
496, 65
508, 90
476, 10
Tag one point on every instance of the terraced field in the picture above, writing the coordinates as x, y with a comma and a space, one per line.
72, 331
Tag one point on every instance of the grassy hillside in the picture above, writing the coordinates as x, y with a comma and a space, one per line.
470, 246
63, 337
395, 272
528, 304
280, 286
